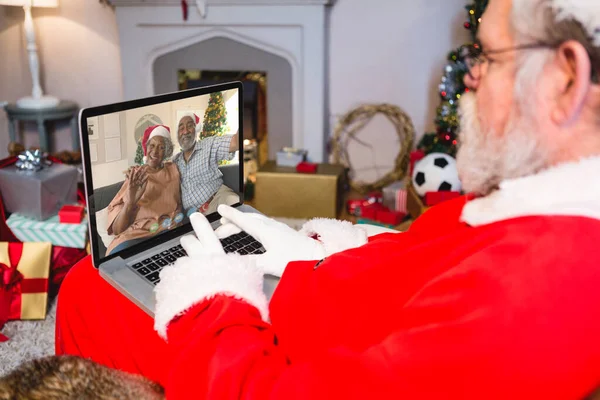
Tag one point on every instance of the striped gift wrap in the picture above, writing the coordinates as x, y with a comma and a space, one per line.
50, 230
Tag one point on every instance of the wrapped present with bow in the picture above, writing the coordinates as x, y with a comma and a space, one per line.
25, 270
35, 186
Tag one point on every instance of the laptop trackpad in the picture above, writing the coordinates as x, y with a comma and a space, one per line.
130, 284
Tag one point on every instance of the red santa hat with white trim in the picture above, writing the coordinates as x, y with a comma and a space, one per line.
152, 131
195, 118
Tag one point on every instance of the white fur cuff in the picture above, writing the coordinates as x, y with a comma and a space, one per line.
335, 235
192, 280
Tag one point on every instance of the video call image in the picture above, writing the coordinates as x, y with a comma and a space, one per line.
152, 167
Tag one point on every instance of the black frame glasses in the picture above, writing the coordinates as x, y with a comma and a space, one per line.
472, 56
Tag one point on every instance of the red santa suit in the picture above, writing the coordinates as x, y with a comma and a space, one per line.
488, 298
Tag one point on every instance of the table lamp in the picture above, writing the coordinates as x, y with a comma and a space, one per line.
37, 100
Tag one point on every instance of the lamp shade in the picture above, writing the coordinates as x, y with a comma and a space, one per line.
34, 3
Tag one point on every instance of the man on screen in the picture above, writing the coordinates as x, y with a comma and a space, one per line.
202, 187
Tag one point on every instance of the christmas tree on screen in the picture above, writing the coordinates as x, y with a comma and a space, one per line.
139, 153
215, 117
451, 88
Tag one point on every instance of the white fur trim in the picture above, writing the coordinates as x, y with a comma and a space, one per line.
189, 114
159, 131
192, 280
569, 189
586, 12
335, 235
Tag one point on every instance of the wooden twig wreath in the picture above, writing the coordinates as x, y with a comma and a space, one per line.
351, 123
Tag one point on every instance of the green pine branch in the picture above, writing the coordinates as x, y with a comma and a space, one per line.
451, 88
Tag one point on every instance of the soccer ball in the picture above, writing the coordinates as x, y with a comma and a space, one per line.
436, 173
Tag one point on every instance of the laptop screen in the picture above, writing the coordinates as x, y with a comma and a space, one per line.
155, 165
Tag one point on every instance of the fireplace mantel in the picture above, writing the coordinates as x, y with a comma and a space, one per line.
293, 29
125, 3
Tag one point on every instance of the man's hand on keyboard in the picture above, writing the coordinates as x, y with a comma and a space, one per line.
282, 243
205, 242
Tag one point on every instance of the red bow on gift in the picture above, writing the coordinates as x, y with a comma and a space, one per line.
9, 278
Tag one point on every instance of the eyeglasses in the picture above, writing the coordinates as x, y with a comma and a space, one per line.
473, 56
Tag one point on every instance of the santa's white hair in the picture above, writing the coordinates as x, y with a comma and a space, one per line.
529, 17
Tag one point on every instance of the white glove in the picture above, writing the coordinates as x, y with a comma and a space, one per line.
207, 273
284, 244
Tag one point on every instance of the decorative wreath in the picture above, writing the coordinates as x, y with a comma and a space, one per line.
351, 123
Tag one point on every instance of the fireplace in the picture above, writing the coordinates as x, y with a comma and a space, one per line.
282, 41
268, 96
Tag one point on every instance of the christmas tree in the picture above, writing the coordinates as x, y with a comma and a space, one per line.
444, 140
139, 154
215, 117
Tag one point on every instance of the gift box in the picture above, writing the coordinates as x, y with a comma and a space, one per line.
307, 168
51, 230
395, 196
290, 157
370, 211
70, 214
27, 267
38, 194
389, 217
353, 206
283, 192
433, 198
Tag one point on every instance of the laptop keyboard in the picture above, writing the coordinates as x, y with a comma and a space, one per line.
241, 243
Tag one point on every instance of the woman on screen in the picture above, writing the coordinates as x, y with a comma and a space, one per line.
150, 199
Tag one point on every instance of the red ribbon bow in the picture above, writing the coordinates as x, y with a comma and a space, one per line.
9, 278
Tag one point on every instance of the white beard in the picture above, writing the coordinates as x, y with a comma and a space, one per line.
485, 159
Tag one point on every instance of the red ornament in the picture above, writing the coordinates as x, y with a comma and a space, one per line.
467, 90
467, 25
454, 142
184, 9
444, 94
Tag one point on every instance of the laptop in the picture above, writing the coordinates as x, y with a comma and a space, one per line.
130, 248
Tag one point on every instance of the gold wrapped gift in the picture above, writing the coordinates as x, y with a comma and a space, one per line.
283, 192
29, 262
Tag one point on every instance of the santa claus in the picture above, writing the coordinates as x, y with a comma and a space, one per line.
491, 296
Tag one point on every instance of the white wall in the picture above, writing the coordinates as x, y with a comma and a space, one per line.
390, 51
379, 51
78, 45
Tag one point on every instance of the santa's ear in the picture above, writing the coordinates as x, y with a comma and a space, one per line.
572, 70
